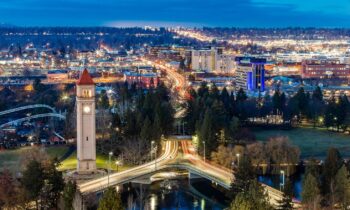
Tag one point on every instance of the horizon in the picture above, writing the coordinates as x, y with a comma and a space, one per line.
194, 13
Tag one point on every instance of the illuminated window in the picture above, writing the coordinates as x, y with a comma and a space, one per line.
86, 93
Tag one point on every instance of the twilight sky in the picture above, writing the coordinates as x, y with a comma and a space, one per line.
240, 13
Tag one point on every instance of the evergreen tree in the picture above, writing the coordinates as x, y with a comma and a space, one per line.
253, 198
147, 131
303, 100
33, 180
207, 134
157, 128
311, 194
110, 200
342, 187
241, 95
244, 177
317, 94
69, 194
54, 184
103, 101
37, 85
331, 166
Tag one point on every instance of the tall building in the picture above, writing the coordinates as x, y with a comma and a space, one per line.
250, 74
86, 124
212, 61
204, 60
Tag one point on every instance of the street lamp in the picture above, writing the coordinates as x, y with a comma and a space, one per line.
283, 178
237, 155
153, 151
117, 163
110, 154
204, 150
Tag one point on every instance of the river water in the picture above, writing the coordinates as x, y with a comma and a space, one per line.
179, 194
175, 194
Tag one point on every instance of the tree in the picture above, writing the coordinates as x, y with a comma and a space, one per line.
331, 166
317, 94
33, 180
253, 198
286, 203
241, 95
54, 184
244, 176
110, 200
225, 156
310, 196
232, 129
302, 99
69, 194
147, 131
8, 192
281, 151
207, 134
103, 101
37, 85
157, 128
342, 187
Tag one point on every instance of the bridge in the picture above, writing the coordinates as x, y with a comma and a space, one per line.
53, 113
35, 106
170, 159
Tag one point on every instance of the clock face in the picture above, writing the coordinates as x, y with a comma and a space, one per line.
86, 109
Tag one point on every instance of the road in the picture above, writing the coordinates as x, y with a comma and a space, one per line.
224, 174
177, 78
169, 154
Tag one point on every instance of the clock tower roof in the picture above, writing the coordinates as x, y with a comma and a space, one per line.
85, 78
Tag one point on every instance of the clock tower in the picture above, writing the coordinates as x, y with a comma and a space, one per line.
86, 124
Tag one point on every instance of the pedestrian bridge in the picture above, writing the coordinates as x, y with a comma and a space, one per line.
53, 113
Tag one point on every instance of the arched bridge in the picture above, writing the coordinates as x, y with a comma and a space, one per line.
170, 160
27, 107
53, 113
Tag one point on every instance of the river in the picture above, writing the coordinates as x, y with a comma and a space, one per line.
175, 194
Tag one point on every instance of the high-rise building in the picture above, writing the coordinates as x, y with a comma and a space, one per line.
204, 60
212, 61
86, 125
250, 74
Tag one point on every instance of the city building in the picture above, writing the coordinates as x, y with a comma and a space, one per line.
324, 68
250, 74
143, 79
212, 61
86, 125
57, 75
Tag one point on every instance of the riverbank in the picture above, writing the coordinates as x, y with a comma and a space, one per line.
313, 143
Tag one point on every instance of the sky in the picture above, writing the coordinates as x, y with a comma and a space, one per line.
188, 13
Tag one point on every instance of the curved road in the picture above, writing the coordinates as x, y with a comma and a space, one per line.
169, 154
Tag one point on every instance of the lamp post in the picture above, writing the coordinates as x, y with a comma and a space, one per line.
153, 152
110, 154
238, 155
117, 163
204, 150
283, 179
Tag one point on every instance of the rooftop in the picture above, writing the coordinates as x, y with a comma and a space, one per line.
85, 78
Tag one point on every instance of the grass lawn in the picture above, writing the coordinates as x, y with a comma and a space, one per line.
312, 142
101, 162
10, 159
